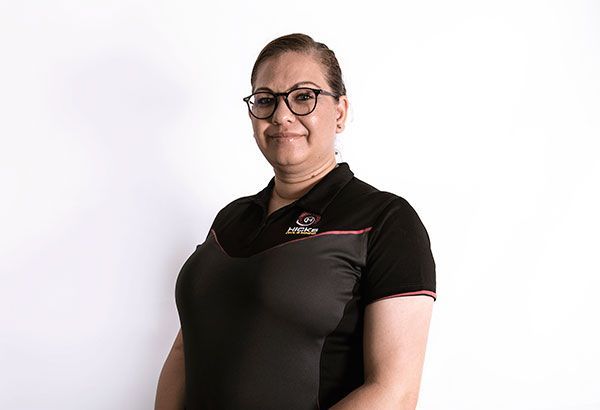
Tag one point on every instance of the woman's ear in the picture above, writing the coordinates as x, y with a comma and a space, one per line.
341, 111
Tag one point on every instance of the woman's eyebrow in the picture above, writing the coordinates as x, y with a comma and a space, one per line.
291, 88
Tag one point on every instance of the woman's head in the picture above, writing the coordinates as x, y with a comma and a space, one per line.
286, 139
301, 43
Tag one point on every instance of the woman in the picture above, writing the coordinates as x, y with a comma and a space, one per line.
315, 293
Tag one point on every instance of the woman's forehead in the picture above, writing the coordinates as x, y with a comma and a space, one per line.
282, 72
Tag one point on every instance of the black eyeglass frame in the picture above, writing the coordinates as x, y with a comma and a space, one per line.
285, 95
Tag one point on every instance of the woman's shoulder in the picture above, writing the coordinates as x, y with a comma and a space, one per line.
379, 202
233, 206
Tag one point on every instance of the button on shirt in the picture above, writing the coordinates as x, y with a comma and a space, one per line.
271, 307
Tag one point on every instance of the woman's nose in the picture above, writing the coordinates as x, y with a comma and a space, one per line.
282, 112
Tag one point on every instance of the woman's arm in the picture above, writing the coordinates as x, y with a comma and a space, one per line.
170, 393
395, 339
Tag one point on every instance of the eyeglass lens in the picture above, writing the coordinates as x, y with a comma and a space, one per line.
300, 101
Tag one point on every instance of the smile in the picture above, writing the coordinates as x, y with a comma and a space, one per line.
286, 136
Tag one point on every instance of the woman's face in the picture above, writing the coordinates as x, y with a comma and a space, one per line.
291, 142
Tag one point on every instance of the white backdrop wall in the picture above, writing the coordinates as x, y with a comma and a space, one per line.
123, 133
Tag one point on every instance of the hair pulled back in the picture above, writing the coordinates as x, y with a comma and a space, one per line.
302, 43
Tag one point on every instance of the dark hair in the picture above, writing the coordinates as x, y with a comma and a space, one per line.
302, 43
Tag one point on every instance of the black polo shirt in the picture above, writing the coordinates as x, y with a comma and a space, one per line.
271, 308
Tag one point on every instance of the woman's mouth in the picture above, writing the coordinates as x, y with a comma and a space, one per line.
286, 135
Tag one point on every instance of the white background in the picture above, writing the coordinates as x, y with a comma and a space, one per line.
123, 133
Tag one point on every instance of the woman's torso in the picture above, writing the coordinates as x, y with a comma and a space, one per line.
271, 305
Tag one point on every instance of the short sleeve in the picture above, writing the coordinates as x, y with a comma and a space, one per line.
399, 261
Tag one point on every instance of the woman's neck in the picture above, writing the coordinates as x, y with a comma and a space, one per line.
291, 186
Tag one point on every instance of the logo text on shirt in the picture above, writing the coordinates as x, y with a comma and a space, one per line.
305, 220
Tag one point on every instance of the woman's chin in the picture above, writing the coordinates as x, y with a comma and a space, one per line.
287, 160
284, 156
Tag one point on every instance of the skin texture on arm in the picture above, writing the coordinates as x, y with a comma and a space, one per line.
395, 339
170, 393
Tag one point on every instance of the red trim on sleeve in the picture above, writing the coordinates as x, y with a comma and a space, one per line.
418, 292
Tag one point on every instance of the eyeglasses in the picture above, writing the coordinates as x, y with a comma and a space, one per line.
300, 101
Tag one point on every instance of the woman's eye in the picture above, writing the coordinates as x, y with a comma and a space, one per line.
264, 101
304, 96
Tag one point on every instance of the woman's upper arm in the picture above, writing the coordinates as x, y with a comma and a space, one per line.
178, 343
395, 338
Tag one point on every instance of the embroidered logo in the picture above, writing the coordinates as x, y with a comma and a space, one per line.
307, 219
304, 221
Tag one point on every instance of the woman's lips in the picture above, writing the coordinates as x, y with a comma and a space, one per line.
286, 135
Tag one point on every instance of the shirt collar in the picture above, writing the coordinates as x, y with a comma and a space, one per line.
319, 196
